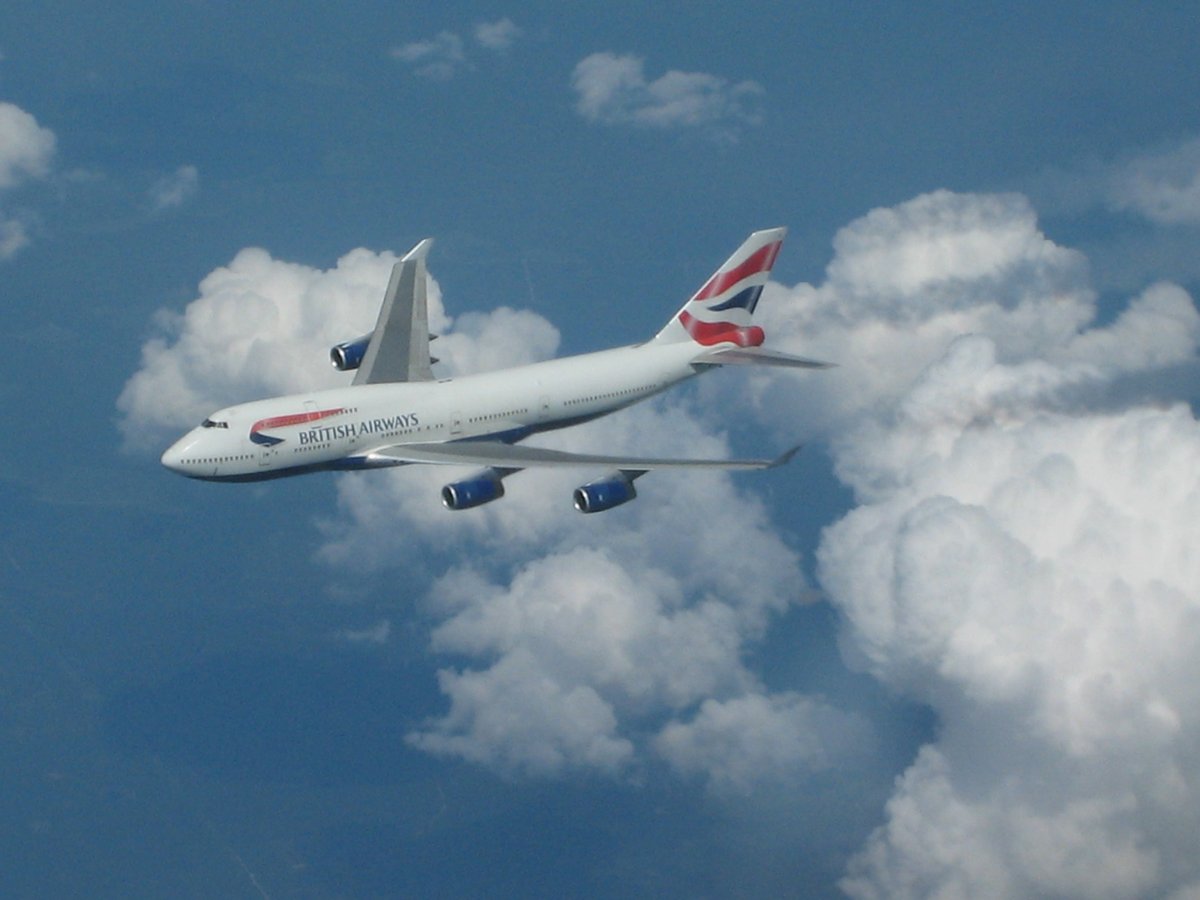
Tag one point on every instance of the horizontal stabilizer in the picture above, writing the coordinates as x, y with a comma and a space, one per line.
514, 456
757, 356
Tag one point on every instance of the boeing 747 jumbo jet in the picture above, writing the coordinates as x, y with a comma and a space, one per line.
396, 412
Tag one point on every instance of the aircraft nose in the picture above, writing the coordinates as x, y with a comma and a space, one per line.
172, 457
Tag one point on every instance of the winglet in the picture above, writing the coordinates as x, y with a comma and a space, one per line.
784, 458
418, 252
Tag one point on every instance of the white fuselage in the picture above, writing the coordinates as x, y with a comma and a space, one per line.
343, 427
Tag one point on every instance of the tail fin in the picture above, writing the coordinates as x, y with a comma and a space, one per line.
722, 311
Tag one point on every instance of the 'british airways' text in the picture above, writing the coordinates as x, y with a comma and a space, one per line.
347, 430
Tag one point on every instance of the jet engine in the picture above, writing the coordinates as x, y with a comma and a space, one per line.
476, 491
605, 493
350, 355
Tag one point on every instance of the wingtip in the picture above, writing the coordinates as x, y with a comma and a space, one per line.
786, 457
418, 252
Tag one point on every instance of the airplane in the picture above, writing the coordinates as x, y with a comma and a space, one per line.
396, 412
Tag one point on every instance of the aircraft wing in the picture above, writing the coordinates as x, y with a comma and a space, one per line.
399, 346
513, 456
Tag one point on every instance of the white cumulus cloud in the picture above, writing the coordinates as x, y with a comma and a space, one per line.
907, 281
611, 622
26, 151
758, 740
1032, 576
620, 637
614, 90
260, 327
26, 148
1020, 558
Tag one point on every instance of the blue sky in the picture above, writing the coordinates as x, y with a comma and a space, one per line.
876, 672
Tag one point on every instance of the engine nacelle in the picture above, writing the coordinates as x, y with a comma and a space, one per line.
605, 493
481, 489
350, 355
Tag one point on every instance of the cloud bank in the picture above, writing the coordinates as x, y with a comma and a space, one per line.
1020, 554
607, 644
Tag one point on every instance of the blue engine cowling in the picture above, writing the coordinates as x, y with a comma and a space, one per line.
350, 355
605, 493
473, 492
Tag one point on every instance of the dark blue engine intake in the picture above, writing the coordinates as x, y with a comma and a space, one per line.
473, 492
350, 355
605, 493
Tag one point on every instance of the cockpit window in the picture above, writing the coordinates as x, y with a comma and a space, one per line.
209, 423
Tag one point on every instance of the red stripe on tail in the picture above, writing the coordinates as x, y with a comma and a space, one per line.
710, 333
760, 261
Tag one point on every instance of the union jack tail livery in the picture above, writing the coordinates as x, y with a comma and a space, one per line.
722, 312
